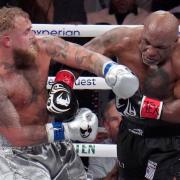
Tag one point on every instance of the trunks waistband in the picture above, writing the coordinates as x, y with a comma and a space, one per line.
151, 129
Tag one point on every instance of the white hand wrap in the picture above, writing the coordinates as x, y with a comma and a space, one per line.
83, 128
120, 78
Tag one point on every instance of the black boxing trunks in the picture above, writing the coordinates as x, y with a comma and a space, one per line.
147, 157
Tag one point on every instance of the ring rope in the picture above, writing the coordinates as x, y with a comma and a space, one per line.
95, 150
67, 30
97, 83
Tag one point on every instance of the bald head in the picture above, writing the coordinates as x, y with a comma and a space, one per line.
162, 23
159, 37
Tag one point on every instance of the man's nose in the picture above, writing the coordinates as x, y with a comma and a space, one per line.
152, 52
32, 34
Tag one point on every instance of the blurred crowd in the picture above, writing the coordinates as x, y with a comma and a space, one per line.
92, 12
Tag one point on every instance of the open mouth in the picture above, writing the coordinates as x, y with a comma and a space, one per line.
149, 61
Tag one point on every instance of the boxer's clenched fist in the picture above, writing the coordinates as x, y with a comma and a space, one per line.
62, 102
122, 81
83, 128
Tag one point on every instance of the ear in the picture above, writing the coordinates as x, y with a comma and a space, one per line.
105, 124
6, 41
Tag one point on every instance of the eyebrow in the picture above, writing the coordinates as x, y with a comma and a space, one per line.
156, 46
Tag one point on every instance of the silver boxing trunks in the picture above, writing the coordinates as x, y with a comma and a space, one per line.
51, 161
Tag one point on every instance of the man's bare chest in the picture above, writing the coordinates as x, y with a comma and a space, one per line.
159, 83
28, 97
24, 88
155, 81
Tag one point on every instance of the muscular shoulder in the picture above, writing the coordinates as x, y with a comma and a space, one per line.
115, 40
176, 59
46, 42
51, 45
123, 34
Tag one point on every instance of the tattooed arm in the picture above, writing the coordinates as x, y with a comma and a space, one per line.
77, 56
72, 55
110, 42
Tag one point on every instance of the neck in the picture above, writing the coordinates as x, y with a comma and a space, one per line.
6, 60
6, 55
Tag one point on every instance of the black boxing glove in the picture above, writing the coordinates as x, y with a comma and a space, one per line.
140, 106
62, 102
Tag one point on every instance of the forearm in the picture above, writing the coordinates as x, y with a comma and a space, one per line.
171, 111
73, 55
25, 136
81, 58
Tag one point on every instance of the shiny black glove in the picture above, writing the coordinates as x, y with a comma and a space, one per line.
62, 102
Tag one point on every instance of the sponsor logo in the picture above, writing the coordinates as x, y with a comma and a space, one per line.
121, 164
125, 107
150, 170
85, 149
59, 99
79, 82
85, 132
57, 32
85, 82
136, 131
63, 101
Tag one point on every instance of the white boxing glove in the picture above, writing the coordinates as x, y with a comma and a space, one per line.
83, 128
120, 78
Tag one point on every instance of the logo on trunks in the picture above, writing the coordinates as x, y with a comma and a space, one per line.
125, 107
150, 170
136, 131
60, 32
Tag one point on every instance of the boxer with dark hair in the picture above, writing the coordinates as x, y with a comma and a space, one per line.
149, 135
33, 144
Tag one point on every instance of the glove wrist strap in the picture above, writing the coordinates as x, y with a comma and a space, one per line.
55, 131
107, 66
151, 108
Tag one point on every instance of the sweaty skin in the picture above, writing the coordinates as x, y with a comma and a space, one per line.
152, 52
24, 65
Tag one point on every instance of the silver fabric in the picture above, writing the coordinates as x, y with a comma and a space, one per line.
52, 161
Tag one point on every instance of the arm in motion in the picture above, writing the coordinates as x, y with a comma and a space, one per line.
11, 128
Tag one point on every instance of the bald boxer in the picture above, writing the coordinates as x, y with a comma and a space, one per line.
149, 136
34, 145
